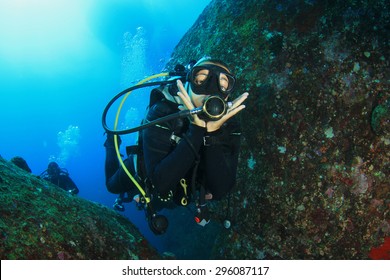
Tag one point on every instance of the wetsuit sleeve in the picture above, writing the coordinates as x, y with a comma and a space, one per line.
220, 165
167, 164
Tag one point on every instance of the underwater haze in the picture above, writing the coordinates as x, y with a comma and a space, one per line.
61, 62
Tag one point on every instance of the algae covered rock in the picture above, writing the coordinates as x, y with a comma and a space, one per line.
380, 118
41, 221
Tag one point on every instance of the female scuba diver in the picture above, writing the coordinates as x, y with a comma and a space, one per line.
185, 159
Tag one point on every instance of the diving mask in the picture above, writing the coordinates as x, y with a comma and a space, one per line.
210, 79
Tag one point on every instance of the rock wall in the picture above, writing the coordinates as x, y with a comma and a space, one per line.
40, 221
313, 177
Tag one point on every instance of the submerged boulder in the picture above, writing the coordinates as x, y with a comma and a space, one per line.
38, 220
313, 179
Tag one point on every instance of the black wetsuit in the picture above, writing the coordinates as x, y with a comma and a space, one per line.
63, 181
168, 160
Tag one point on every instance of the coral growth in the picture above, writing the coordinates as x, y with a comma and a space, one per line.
41, 221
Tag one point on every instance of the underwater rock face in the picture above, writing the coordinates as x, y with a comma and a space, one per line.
39, 221
380, 119
314, 176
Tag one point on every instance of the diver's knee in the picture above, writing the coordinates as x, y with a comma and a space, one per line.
112, 187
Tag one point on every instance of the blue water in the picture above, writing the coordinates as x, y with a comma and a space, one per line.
61, 61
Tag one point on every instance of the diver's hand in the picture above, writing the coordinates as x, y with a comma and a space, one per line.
183, 94
236, 106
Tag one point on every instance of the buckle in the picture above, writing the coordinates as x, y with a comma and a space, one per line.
174, 139
207, 141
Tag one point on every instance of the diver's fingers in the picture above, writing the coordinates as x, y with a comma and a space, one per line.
180, 86
182, 89
184, 96
186, 101
236, 107
238, 101
232, 112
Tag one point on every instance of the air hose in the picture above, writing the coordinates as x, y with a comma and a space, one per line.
127, 92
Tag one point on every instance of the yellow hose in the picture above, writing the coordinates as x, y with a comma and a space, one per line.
147, 199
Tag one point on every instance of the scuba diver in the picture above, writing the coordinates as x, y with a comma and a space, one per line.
21, 163
59, 177
182, 159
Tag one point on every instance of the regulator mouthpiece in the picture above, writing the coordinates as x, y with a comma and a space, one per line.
214, 108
